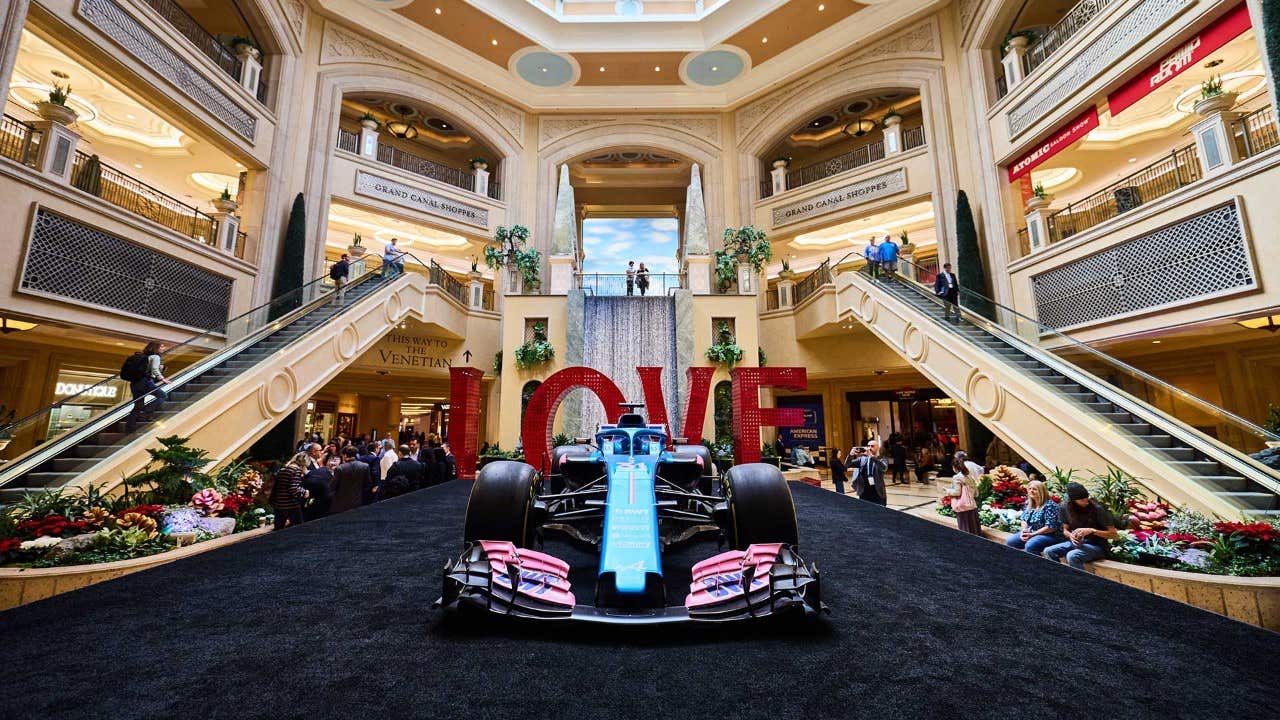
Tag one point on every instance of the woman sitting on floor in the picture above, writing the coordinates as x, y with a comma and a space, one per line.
1041, 521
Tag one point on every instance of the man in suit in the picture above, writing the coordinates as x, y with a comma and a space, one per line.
868, 475
404, 475
947, 287
370, 457
346, 490
450, 463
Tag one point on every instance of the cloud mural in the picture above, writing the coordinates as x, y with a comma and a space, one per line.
611, 242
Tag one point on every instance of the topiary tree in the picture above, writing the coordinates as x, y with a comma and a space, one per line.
289, 269
1271, 34
969, 267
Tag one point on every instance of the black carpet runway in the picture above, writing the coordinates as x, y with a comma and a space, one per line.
331, 620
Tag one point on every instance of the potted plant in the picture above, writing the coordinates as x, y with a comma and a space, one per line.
368, 121
479, 163
1020, 39
1213, 98
508, 249
904, 244
224, 203
537, 351
244, 47
356, 248
786, 273
891, 119
725, 349
1039, 198
781, 162
55, 108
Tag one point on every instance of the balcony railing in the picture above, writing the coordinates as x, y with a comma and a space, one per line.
1258, 131
204, 41
19, 141
441, 277
1056, 37
913, 138
856, 157
811, 282
137, 197
395, 157
1178, 168
615, 284
771, 301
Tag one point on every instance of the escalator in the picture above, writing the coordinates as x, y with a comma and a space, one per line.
77, 457
1077, 390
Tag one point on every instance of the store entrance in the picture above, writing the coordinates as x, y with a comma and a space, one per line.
924, 420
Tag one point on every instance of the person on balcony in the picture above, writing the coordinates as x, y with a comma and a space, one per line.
392, 260
871, 253
631, 277
947, 287
642, 279
888, 257
1041, 521
1087, 526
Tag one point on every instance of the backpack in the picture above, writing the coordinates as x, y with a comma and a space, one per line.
338, 270
134, 367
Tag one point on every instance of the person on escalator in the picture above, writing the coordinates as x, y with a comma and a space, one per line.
392, 260
338, 274
947, 287
888, 257
871, 253
145, 374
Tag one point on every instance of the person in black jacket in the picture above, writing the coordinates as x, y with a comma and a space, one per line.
404, 476
450, 463
370, 457
947, 287
317, 482
349, 482
836, 465
898, 451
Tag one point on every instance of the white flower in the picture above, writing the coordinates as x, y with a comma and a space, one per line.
40, 543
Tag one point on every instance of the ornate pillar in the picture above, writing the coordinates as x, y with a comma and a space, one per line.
697, 246
1215, 143
11, 24
1012, 61
779, 176
564, 237
250, 67
57, 149
893, 135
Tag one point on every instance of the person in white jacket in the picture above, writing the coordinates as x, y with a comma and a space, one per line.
388, 456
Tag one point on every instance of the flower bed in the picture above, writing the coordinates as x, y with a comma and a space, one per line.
169, 505
1152, 533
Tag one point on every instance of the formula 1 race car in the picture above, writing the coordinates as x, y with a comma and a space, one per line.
631, 496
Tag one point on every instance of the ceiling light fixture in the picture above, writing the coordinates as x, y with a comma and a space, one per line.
764, 40
402, 128
601, 68
439, 11
1270, 323
138, 165
821, 8
494, 41
1133, 160
543, 69
859, 127
715, 68
657, 68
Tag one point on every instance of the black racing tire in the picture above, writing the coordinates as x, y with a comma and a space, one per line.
760, 506
501, 504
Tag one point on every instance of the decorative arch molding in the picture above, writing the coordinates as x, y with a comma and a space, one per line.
343, 47
795, 103
337, 79
564, 139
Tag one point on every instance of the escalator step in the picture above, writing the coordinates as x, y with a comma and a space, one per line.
69, 464
1252, 500
84, 450
1197, 467
1263, 515
48, 479
1223, 483
1158, 441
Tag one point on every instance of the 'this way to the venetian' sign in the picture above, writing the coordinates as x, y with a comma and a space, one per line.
388, 190
857, 193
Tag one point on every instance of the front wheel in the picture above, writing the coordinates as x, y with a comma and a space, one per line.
760, 506
501, 504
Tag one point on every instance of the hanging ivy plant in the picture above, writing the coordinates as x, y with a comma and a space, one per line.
763, 360
725, 350
497, 363
508, 245
536, 351
745, 243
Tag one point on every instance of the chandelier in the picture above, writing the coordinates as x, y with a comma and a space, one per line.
859, 127
402, 128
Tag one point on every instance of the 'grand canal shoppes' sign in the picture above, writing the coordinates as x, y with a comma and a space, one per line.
863, 191
376, 186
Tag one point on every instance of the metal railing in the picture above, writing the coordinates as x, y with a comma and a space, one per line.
19, 141
913, 138
487, 298
615, 284
349, 141
864, 155
242, 239
811, 282
441, 278
1056, 37
1258, 131
208, 45
1175, 170
417, 165
1024, 241
262, 85
137, 197
771, 301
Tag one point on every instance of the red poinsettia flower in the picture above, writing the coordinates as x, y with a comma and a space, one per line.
148, 510
9, 545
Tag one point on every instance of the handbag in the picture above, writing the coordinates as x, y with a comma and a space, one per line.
966, 501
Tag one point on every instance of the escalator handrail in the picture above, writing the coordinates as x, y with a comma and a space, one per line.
1233, 458
1252, 428
42, 452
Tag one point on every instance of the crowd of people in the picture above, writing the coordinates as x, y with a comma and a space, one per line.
326, 478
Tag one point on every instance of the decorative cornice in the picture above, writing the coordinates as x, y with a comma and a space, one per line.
706, 129
342, 45
295, 13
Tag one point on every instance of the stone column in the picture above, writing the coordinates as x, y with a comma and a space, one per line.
746, 278
779, 176
475, 290
1038, 227
786, 290
907, 268
513, 281
564, 237
57, 149
250, 68
892, 135
1215, 143
11, 23
1012, 61
228, 230
369, 140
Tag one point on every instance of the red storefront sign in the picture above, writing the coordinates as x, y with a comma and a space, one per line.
1071, 132
1206, 42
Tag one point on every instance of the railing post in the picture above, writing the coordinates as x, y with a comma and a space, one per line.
1014, 69
779, 177
57, 150
1214, 144
893, 135
250, 68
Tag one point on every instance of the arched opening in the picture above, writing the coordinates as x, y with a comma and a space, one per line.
841, 136
630, 205
526, 394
